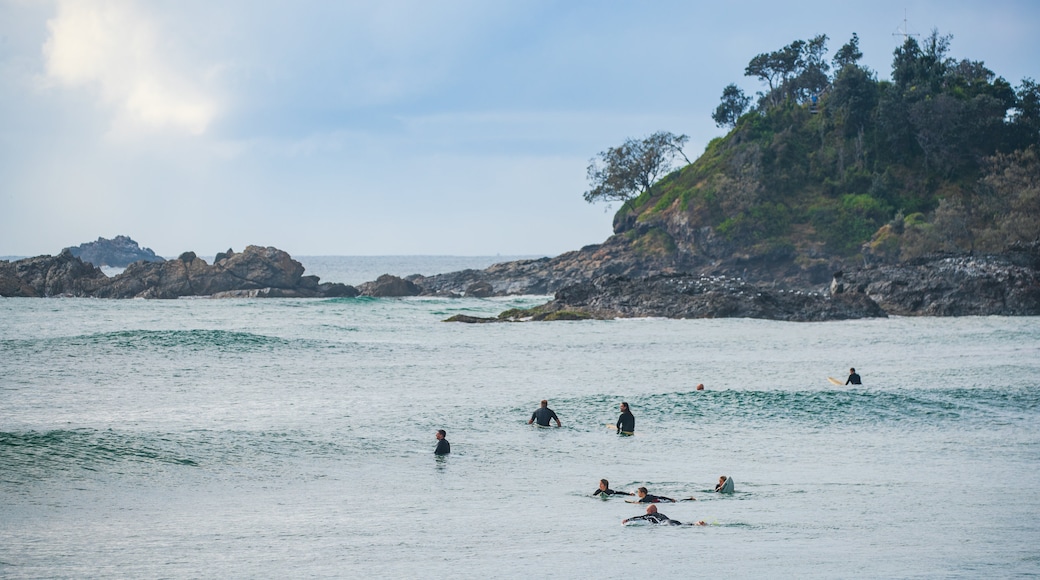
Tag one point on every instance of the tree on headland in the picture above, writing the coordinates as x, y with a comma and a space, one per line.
734, 104
624, 172
797, 71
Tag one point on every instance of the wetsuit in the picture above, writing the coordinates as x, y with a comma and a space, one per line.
657, 518
654, 499
626, 423
542, 416
853, 379
725, 486
609, 492
443, 447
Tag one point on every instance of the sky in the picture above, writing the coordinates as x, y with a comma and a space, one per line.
398, 127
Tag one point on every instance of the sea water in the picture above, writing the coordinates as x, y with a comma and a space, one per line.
294, 437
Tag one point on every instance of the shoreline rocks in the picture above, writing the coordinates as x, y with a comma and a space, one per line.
691, 296
587, 283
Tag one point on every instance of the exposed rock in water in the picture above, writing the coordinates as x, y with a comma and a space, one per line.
388, 286
118, 252
43, 276
256, 272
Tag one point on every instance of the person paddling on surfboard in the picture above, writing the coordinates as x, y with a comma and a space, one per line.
853, 378
605, 491
626, 423
655, 517
645, 497
543, 414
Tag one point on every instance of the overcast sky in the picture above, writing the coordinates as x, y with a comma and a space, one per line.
434, 127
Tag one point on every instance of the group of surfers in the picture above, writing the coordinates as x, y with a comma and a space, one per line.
725, 485
626, 425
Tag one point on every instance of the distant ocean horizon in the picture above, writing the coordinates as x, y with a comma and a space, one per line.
356, 270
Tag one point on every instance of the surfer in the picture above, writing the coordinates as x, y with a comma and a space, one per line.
725, 485
853, 378
626, 423
443, 447
654, 517
543, 414
604, 490
645, 497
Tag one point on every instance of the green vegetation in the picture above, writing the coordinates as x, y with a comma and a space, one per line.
833, 162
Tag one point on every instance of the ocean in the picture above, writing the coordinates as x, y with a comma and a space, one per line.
294, 437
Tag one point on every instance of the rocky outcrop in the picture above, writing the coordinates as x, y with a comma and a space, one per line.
388, 286
255, 272
43, 276
1006, 284
691, 296
548, 275
118, 252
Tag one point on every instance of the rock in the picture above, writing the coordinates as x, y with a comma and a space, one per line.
118, 252
480, 289
1005, 284
337, 290
42, 276
222, 255
689, 296
472, 319
257, 272
389, 286
255, 268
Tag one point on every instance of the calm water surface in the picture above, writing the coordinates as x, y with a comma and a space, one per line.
294, 438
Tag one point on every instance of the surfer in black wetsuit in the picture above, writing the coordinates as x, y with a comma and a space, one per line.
853, 378
654, 517
626, 423
645, 497
443, 447
543, 414
604, 490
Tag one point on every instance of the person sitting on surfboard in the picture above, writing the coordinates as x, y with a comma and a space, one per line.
654, 517
543, 414
645, 497
853, 378
725, 485
443, 447
604, 489
626, 423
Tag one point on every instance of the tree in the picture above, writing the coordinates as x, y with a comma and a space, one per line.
734, 104
1027, 114
849, 54
624, 172
812, 70
853, 98
797, 71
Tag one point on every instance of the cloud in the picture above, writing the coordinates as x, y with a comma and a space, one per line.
118, 50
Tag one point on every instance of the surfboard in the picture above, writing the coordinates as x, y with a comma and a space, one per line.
835, 381
614, 427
